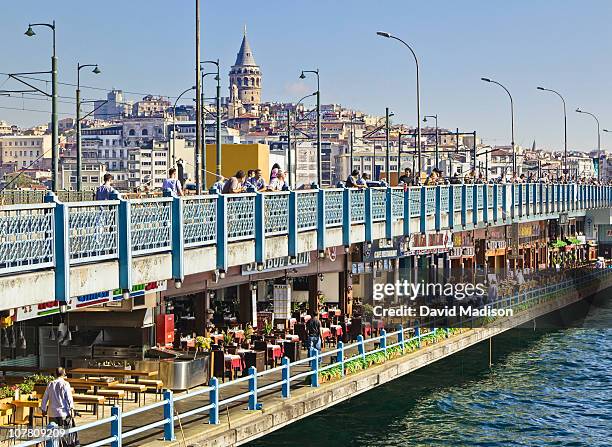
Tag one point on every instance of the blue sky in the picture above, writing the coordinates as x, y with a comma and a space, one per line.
148, 47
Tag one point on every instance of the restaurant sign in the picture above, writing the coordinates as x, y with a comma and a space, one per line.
385, 249
80, 302
271, 265
431, 243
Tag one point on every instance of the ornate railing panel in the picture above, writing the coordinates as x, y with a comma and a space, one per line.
500, 196
240, 217
397, 203
379, 204
307, 209
357, 205
26, 237
276, 213
469, 197
479, 197
93, 231
430, 200
457, 193
333, 207
200, 220
490, 196
151, 224
415, 201
444, 198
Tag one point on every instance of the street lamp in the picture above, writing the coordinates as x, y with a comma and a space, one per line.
54, 115
511, 121
174, 124
218, 119
318, 92
565, 169
289, 164
437, 150
598, 139
96, 70
418, 101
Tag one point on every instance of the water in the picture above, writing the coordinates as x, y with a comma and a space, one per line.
546, 388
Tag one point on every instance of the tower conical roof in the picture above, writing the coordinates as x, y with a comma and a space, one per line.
245, 55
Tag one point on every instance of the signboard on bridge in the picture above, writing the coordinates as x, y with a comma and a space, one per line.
271, 265
83, 301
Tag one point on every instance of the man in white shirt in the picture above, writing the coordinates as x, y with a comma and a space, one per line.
57, 401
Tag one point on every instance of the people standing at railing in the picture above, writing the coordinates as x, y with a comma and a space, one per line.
406, 178
432, 179
257, 181
105, 190
278, 183
352, 180
172, 184
235, 184
275, 168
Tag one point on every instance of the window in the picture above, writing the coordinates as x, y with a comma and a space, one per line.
95, 179
132, 132
145, 132
73, 179
84, 178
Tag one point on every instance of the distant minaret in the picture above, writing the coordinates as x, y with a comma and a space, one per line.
245, 75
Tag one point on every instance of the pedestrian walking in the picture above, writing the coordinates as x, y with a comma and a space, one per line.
105, 190
172, 184
58, 404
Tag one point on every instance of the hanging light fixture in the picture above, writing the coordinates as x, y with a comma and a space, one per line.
13, 341
67, 339
52, 335
5, 341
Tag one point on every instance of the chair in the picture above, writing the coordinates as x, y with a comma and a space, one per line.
218, 364
262, 346
300, 331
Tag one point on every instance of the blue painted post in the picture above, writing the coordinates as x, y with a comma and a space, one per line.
527, 199
360, 346
340, 357
389, 212
169, 416
213, 394
293, 228
520, 200
260, 229
485, 203
346, 217
178, 241
286, 374
252, 388
474, 204
368, 214
407, 199
314, 366
222, 232
115, 426
541, 198
321, 219
400, 336
505, 202
383, 340
463, 205
417, 333
125, 244
438, 204
495, 201
451, 206
61, 247
423, 211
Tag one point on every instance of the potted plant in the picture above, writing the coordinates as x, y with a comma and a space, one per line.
202, 344
228, 339
267, 330
248, 333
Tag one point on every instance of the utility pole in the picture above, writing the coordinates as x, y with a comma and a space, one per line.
289, 146
387, 171
199, 153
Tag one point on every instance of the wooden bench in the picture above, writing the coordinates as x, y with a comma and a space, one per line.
110, 395
88, 399
157, 386
136, 388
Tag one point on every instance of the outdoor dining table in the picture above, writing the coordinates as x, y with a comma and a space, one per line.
292, 337
233, 362
326, 333
30, 404
113, 372
336, 330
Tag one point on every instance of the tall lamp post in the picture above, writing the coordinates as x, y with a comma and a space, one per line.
418, 100
54, 120
435, 117
289, 160
565, 169
96, 70
511, 121
174, 124
218, 119
598, 140
318, 92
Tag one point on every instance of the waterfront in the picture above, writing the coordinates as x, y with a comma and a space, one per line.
546, 387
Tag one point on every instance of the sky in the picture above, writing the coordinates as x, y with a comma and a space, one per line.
147, 46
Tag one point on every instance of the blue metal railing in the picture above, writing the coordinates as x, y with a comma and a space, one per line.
338, 357
57, 235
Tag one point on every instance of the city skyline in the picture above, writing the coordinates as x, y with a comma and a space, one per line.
352, 61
